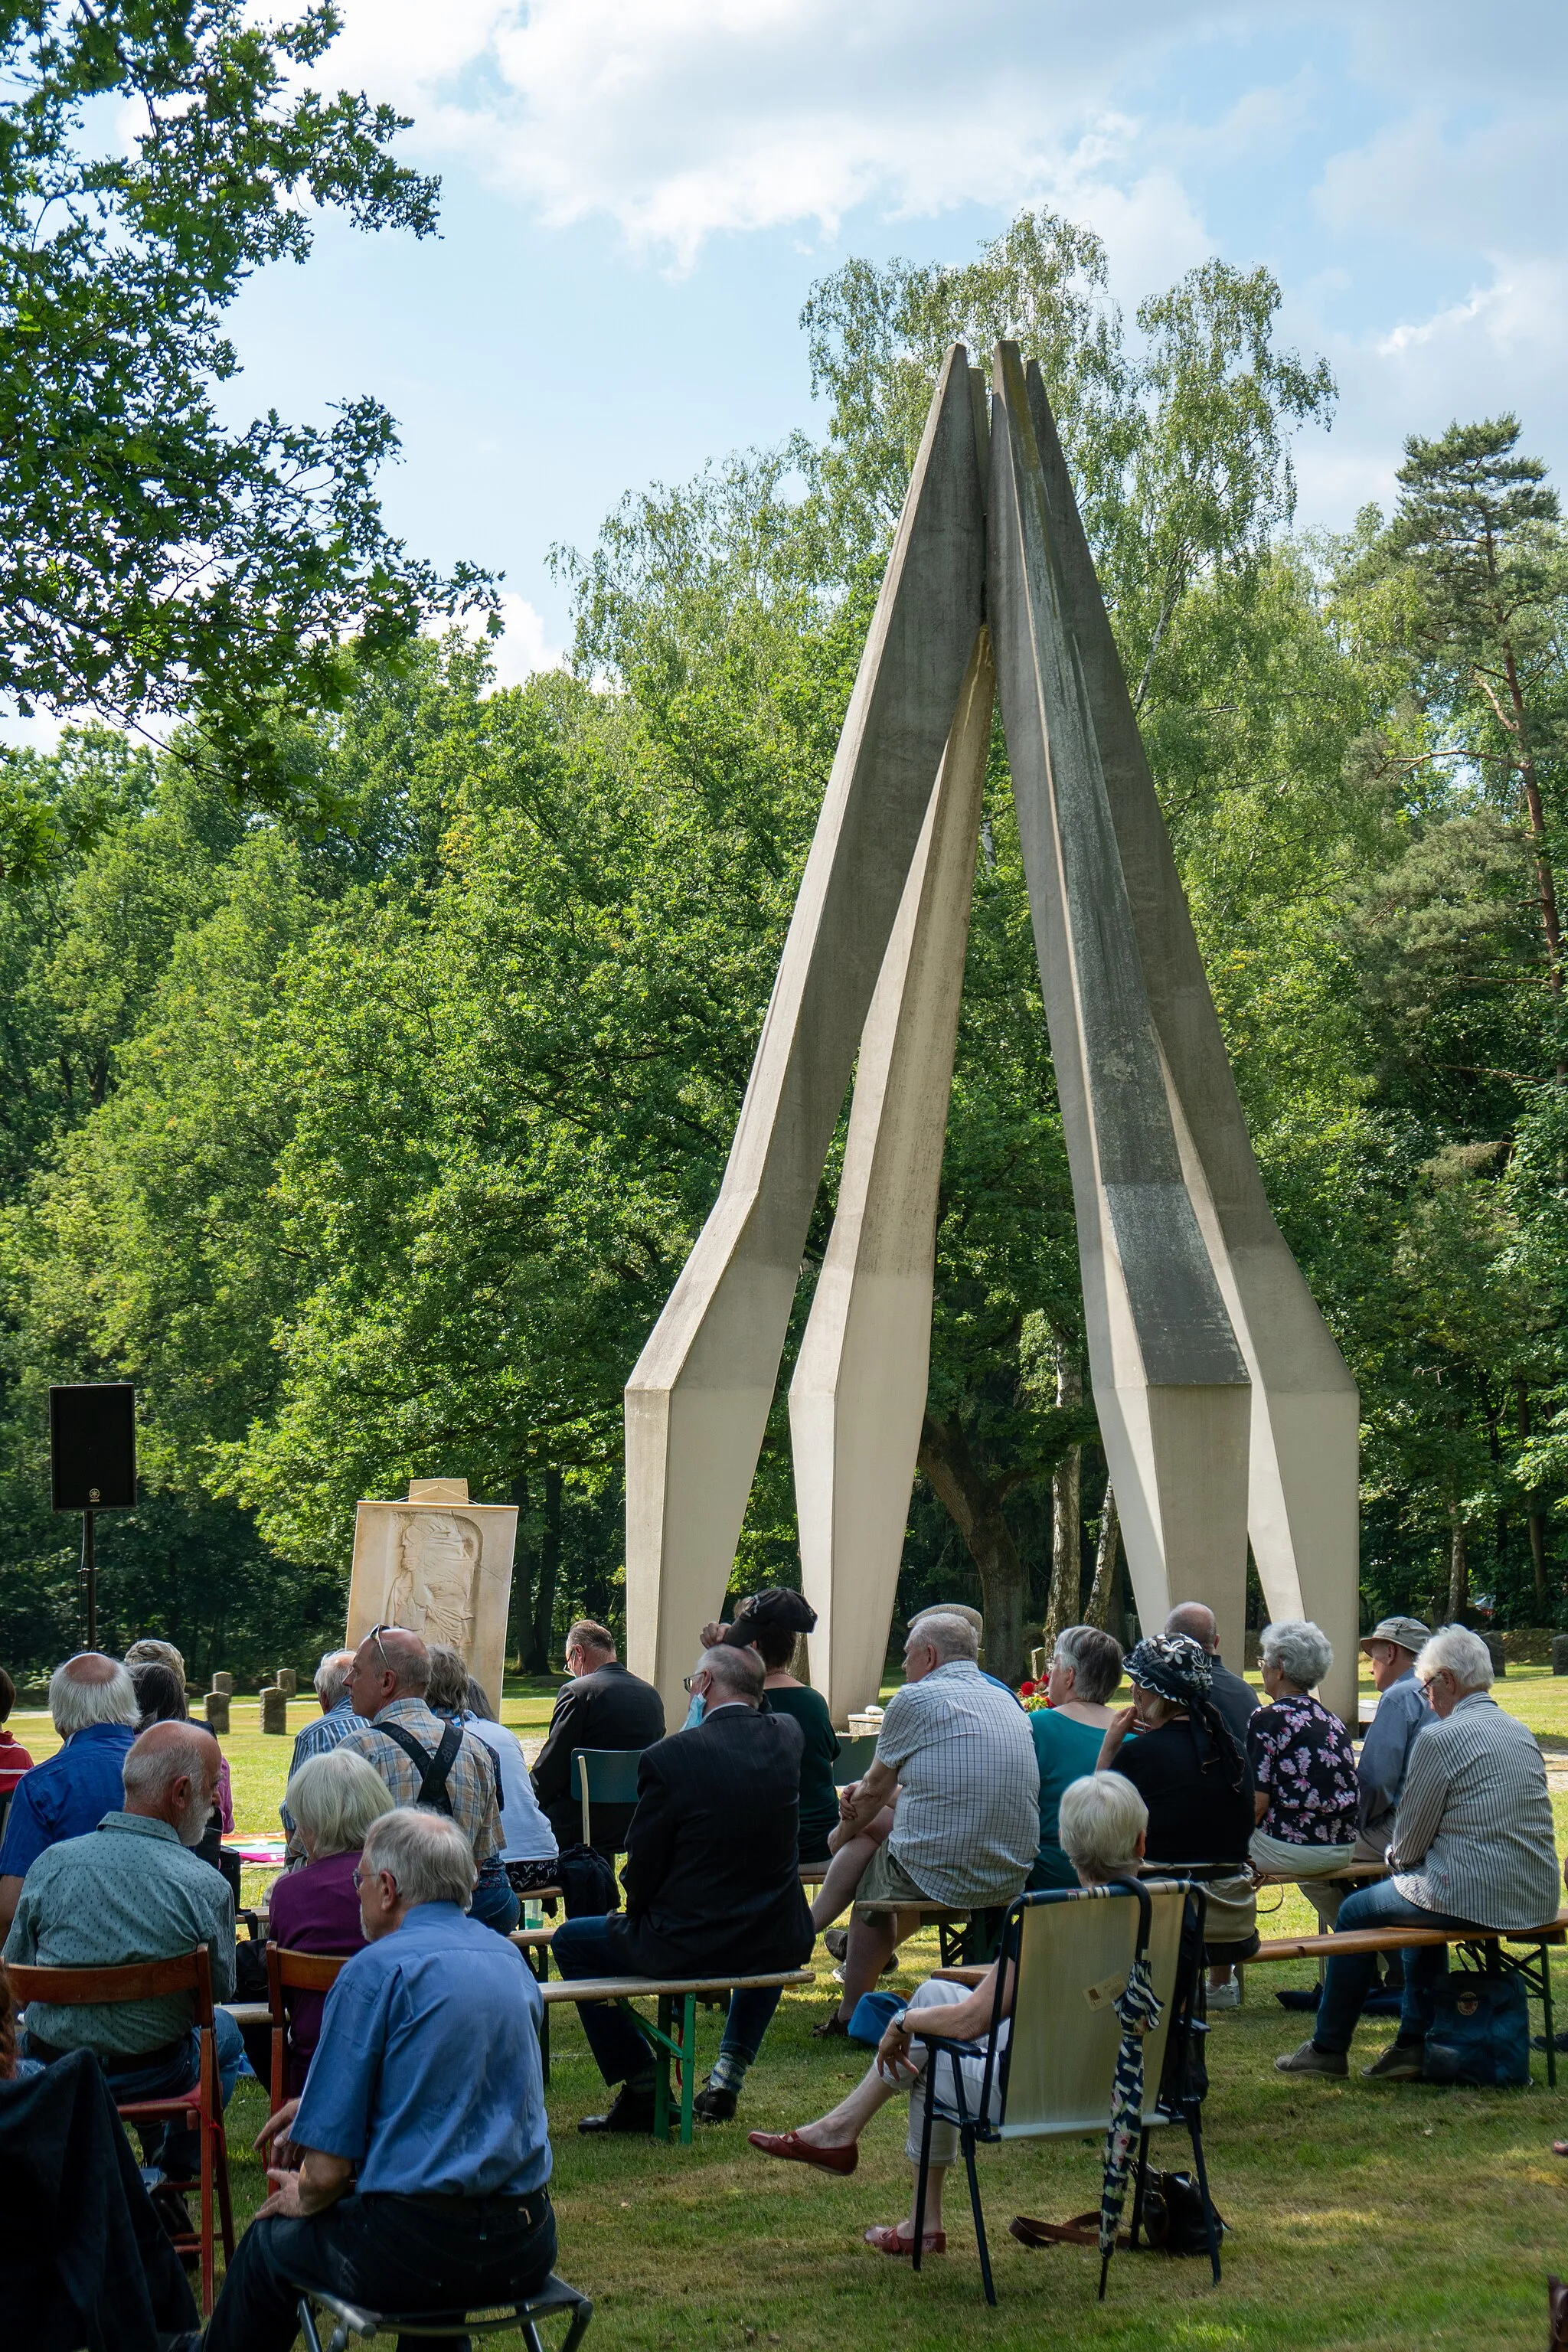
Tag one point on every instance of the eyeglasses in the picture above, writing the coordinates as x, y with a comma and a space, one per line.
359, 1877
375, 1635
688, 1682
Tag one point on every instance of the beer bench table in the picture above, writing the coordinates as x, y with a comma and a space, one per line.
665, 2039
1482, 1948
947, 1919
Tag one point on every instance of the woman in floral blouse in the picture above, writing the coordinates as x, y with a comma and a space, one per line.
1303, 1766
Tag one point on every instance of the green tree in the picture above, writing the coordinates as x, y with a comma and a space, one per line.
152, 561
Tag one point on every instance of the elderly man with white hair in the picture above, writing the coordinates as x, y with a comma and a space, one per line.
1473, 1847
1101, 1823
94, 1706
334, 1723
134, 1889
948, 1813
412, 2174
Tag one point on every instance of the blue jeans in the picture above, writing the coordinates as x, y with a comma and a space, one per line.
1347, 1981
582, 1948
173, 2147
494, 1905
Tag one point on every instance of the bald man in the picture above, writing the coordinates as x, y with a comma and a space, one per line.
1236, 1700
134, 1889
425, 1761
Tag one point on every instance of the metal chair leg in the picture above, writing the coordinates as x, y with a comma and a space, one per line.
308, 2326
1139, 2186
920, 2177
1194, 2133
1545, 1956
966, 2138
688, 2066
661, 2070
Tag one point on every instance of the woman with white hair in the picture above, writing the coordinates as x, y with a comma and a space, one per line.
334, 1799
1303, 1764
1101, 1822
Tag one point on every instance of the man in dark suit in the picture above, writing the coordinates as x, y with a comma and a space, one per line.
602, 1705
712, 1884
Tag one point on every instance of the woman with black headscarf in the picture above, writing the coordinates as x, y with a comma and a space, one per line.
1186, 1766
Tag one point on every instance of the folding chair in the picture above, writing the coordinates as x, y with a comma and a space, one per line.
1052, 2079
203, 2106
289, 1971
553, 2297
604, 1776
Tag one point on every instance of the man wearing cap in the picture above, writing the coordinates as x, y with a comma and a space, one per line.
1393, 1647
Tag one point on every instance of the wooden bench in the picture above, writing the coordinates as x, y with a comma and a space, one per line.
667, 2040
947, 1919
1482, 1947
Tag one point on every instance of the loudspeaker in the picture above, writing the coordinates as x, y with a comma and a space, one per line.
93, 1447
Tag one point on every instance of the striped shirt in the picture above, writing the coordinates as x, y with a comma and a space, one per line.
319, 1738
1472, 1833
470, 1784
967, 1820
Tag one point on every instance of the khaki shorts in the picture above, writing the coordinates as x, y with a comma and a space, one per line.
886, 1882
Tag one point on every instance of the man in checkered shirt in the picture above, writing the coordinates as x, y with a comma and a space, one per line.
387, 1683
949, 1812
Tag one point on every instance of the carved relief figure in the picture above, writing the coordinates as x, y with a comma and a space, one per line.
435, 1590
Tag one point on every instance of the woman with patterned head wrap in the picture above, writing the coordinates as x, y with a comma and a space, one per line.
1197, 1782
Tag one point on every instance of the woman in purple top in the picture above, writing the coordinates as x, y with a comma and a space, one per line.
1303, 1766
315, 1908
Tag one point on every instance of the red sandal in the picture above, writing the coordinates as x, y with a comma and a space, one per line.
790, 2148
887, 2242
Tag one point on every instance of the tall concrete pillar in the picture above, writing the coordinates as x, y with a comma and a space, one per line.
858, 1394
1303, 1478
698, 1400
1170, 1381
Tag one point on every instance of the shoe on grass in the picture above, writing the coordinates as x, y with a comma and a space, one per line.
1225, 1996
632, 2112
837, 1941
713, 2105
1310, 2060
1400, 2063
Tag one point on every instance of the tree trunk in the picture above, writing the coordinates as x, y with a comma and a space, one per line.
1102, 1591
548, 1569
1067, 1536
519, 1610
1458, 1568
1535, 1519
1545, 880
974, 1502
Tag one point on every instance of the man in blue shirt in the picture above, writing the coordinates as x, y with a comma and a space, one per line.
426, 2083
334, 1723
93, 1700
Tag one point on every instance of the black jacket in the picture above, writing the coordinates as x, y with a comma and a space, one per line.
608, 1709
1236, 1699
712, 1878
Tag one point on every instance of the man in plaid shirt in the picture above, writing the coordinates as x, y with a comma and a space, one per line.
387, 1683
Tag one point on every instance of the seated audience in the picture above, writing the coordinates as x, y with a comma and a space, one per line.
1302, 1765
1473, 1846
602, 1705
334, 1723
131, 1889
425, 1761
1101, 1822
1084, 1671
447, 1696
1187, 1767
1391, 1648
14, 1758
161, 1694
713, 1882
1231, 1694
771, 1622
948, 1813
411, 2175
970, 1617
334, 1799
531, 1852
92, 1702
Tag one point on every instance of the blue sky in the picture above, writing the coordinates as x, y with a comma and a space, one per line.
638, 195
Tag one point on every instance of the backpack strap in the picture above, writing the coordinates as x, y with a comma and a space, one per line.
433, 1769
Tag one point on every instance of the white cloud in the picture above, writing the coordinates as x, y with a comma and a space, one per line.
523, 648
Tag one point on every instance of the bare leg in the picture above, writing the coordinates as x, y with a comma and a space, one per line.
846, 2122
850, 1857
935, 2179
872, 1943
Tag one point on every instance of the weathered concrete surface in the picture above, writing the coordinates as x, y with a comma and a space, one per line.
1170, 1381
859, 1392
1302, 1510
697, 1399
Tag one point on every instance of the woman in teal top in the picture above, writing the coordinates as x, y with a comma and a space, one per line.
1086, 1667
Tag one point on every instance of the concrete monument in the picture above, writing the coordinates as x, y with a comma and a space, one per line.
1223, 1404
441, 1566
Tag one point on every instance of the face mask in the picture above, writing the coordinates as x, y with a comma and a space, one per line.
695, 1711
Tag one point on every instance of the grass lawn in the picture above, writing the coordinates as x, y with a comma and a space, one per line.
1362, 2215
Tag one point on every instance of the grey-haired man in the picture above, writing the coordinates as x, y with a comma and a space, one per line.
1393, 1647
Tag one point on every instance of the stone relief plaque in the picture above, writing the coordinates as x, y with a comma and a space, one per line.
441, 1566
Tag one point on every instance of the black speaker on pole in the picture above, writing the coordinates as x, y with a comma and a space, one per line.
92, 1466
